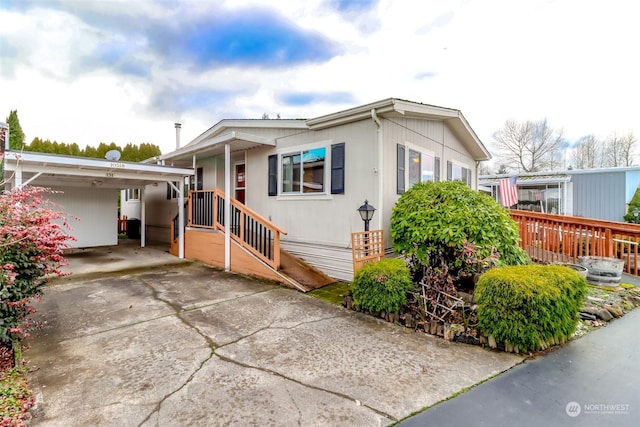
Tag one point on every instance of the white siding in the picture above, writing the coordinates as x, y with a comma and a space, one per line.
97, 213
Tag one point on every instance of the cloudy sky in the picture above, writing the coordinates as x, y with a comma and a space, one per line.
87, 71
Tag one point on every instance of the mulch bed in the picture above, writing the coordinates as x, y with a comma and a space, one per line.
6, 357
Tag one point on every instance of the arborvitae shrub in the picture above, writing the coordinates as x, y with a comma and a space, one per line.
382, 285
529, 306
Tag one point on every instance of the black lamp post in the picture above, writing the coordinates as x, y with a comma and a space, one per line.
366, 213
635, 215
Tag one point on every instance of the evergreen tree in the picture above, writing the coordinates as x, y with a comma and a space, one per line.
16, 135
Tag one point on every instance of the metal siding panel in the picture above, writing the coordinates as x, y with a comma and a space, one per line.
599, 196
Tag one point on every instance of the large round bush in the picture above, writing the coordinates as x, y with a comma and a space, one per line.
433, 221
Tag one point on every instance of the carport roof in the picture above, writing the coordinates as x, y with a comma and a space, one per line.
61, 170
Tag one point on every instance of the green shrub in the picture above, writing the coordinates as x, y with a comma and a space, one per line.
382, 285
433, 221
529, 306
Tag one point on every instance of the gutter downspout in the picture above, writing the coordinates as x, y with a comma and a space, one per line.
374, 117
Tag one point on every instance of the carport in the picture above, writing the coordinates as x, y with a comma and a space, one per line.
89, 187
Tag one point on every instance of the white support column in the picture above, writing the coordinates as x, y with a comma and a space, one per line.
143, 219
181, 219
17, 176
227, 207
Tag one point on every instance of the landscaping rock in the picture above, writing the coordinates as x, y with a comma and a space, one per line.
599, 312
615, 310
492, 342
587, 316
466, 297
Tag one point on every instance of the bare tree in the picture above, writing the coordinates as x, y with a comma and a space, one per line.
587, 153
618, 150
530, 146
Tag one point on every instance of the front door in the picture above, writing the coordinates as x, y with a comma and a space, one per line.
240, 178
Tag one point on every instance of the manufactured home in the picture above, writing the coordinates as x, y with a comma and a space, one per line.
590, 193
290, 189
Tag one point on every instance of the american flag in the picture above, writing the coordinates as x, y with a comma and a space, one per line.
508, 191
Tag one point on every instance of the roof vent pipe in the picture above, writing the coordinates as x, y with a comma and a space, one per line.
178, 126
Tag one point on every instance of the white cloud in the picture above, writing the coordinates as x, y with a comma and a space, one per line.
572, 62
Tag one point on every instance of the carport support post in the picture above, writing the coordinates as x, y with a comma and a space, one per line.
143, 219
181, 219
227, 207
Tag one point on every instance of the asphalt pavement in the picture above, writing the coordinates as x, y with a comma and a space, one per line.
592, 381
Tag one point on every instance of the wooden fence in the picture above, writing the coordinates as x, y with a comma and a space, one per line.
560, 238
367, 246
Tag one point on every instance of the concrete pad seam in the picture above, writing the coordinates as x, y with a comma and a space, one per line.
284, 377
183, 385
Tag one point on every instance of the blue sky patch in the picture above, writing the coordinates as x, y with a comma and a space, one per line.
259, 38
353, 5
310, 98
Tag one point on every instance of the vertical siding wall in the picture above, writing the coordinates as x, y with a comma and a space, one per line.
599, 195
97, 211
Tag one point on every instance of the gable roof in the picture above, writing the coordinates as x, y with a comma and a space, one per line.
394, 107
213, 139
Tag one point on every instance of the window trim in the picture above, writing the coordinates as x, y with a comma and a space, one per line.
326, 182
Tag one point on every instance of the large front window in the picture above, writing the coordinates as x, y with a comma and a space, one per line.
303, 171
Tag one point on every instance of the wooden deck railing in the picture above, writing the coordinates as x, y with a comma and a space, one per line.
560, 238
248, 228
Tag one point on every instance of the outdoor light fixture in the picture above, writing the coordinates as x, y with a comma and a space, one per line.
635, 215
366, 213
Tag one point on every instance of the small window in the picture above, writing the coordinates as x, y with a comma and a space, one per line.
133, 194
304, 171
457, 172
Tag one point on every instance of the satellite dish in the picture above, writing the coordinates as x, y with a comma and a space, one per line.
113, 155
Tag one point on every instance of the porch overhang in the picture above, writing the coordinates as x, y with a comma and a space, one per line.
237, 141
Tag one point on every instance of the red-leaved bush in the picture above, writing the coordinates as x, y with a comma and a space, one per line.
32, 240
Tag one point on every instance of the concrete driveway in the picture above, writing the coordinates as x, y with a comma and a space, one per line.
191, 345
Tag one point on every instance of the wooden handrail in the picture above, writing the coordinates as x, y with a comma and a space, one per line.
562, 238
248, 228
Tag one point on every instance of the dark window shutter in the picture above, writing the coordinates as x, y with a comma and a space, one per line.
436, 169
169, 191
273, 175
449, 170
337, 168
464, 175
400, 170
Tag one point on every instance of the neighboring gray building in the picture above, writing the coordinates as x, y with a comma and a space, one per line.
591, 193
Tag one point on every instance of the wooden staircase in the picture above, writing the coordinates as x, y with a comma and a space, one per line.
255, 242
